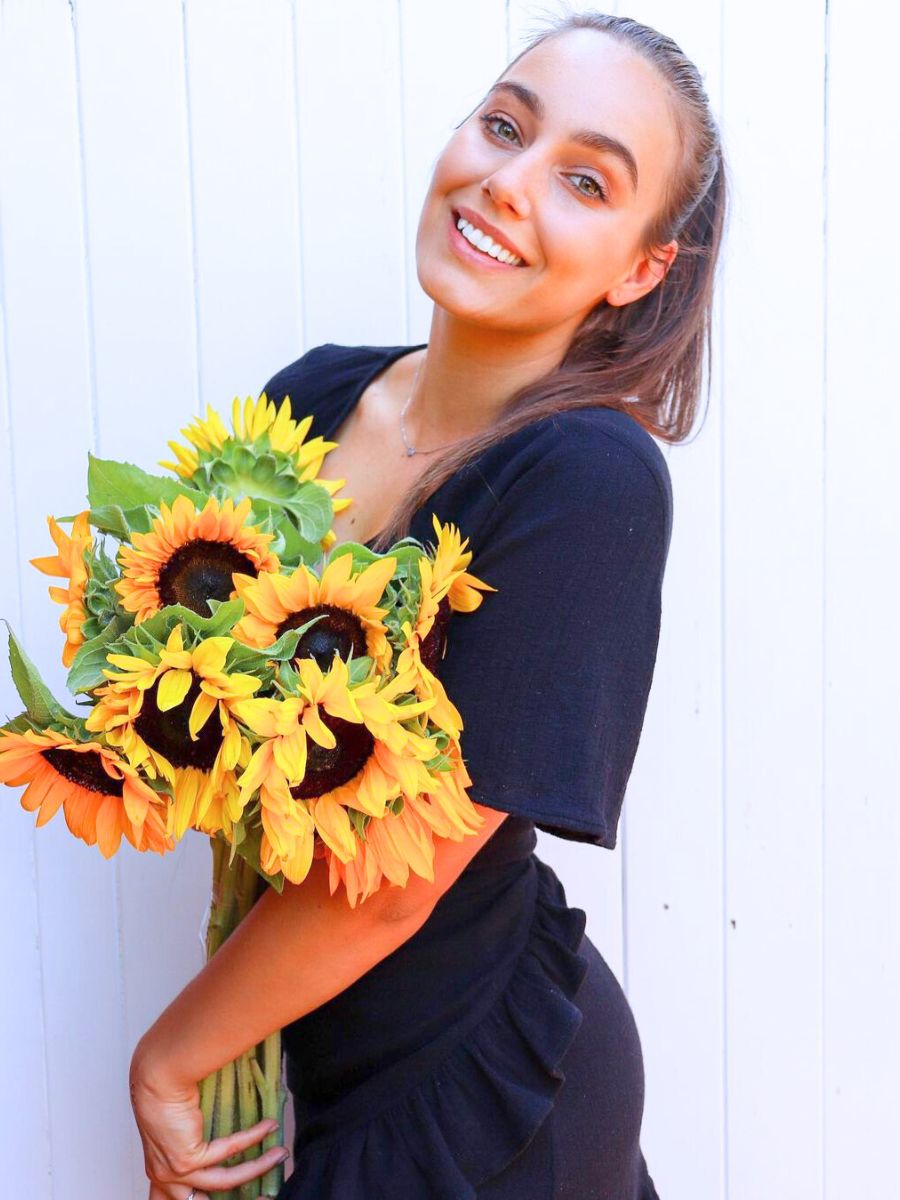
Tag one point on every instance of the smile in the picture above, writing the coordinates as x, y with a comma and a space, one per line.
474, 244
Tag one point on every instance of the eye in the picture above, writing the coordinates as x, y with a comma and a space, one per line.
488, 119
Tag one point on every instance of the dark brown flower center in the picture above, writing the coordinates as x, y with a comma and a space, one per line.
84, 769
431, 649
200, 571
167, 732
328, 769
338, 633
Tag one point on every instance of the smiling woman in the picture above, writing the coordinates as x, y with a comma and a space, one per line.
463, 1038
568, 240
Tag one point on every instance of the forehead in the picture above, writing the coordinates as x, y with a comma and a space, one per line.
588, 80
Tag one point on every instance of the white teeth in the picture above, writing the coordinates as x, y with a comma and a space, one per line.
481, 241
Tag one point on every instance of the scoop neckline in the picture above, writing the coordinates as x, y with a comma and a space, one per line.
384, 359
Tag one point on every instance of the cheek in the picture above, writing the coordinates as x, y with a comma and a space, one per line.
465, 159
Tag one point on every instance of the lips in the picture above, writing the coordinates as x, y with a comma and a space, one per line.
480, 222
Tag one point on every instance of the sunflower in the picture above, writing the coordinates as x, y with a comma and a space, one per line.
445, 587
404, 841
189, 557
329, 749
288, 838
158, 712
103, 796
265, 454
274, 603
254, 421
70, 563
226, 805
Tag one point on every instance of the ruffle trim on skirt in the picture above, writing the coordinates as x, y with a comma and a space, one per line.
481, 1104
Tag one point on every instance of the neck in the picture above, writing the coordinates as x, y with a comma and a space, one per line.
469, 371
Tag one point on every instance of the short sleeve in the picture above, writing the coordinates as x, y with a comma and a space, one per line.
310, 382
552, 673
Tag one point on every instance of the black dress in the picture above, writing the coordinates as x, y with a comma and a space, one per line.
494, 1054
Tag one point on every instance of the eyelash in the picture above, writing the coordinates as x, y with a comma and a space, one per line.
487, 118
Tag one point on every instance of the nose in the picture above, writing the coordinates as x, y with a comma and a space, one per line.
508, 188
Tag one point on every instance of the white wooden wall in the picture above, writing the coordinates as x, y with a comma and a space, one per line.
190, 196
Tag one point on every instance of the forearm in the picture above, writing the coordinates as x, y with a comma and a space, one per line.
290, 954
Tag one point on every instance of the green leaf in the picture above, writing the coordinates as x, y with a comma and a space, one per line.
224, 618
246, 658
359, 821
249, 848
112, 518
289, 543
359, 669
125, 486
39, 701
19, 724
406, 552
440, 763
312, 508
86, 671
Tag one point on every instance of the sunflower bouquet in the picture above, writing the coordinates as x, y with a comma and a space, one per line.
239, 673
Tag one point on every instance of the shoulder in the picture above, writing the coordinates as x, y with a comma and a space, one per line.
591, 464
324, 370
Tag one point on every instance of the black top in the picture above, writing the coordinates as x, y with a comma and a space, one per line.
570, 519
431, 1072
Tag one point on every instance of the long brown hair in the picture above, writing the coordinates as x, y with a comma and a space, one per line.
645, 357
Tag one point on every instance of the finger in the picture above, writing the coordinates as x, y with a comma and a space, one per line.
174, 1191
221, 1179
233, 1143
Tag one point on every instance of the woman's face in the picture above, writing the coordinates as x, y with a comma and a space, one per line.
570, 210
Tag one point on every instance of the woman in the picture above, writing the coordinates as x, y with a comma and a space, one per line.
463, 1038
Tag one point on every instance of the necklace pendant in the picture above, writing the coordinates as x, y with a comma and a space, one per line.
410, 450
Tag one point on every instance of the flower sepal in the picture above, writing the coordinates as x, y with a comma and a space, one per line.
101, 604
86, 671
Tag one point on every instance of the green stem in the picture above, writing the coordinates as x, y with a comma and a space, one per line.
243, 1092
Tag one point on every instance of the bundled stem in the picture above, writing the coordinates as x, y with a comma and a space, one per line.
250, 1089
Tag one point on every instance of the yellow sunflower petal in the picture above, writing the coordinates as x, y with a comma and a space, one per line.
173, 687
203, 708
209, 657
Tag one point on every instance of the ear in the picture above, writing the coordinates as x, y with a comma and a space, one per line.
645, 276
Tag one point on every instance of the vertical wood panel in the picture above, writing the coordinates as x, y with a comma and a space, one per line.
672, 819
138, 188
351, 173
772, 559
439, 91
139, 223
241, 99
48, 325
26, 1124
862, 709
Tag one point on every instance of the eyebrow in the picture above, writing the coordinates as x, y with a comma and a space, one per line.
605, 143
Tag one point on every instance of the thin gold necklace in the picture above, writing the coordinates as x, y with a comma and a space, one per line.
410, 449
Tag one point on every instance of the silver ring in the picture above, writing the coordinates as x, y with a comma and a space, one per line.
191, 1194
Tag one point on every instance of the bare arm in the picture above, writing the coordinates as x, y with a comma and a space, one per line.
291, 954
